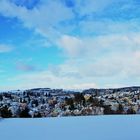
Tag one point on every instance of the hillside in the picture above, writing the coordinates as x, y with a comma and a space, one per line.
45, 102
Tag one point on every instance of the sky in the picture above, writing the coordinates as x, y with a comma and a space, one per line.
71, 44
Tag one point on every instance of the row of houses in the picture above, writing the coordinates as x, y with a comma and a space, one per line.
38, 103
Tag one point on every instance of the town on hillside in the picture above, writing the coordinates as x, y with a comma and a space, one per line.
46, 102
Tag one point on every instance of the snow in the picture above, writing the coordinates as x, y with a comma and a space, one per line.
72, 128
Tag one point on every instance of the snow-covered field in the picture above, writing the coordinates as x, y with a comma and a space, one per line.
72, 128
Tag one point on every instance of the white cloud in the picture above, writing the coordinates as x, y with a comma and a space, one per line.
5, 48
46, 17
71, 45
42, 19
105, 51
105, 59
114, 70
25, 67
90, 6
97, 46
108, 26
82, 86
48, 23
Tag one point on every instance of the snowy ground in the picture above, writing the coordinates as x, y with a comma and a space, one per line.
72, 128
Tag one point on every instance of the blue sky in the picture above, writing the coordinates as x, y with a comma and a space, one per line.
70, 44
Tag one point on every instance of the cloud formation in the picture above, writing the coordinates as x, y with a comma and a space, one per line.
99, 41
25, 67
4, 48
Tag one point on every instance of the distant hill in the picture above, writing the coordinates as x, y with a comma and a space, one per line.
86, 91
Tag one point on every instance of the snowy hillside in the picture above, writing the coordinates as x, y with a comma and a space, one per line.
72, 128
